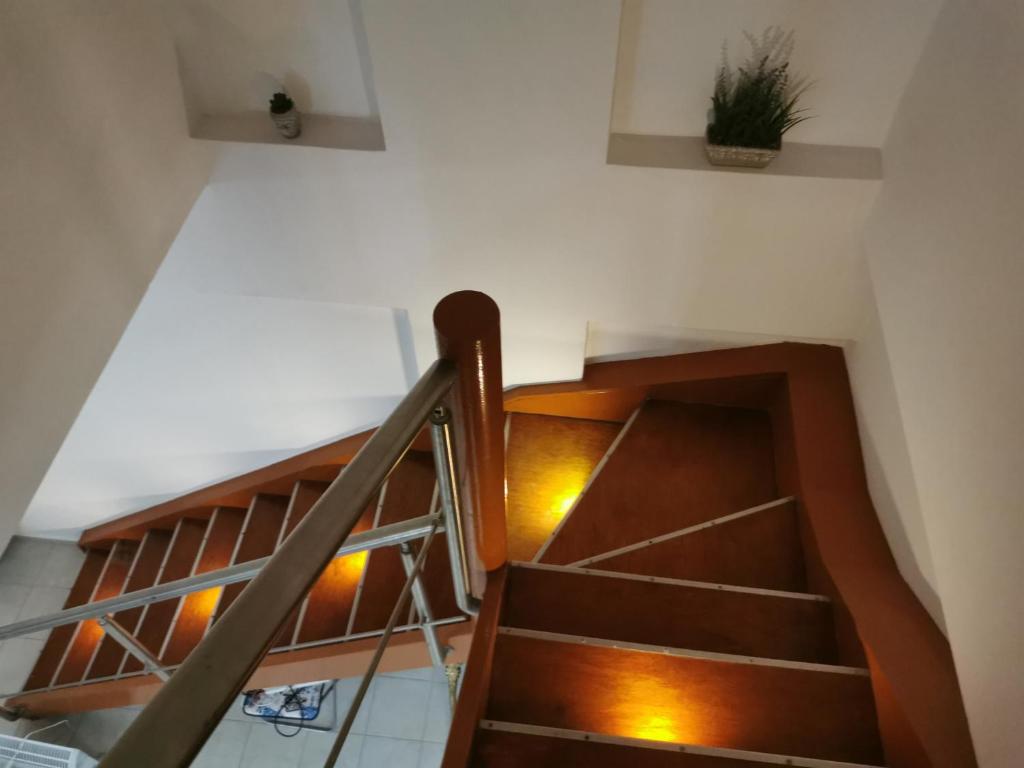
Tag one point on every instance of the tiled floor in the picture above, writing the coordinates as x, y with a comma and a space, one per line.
403, 722
35, 578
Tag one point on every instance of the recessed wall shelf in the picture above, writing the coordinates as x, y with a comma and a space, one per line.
330, 131
687, 152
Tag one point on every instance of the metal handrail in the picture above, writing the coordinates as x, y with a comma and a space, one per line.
172, 729
384, 536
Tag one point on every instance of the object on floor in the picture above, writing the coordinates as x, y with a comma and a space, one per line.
309, 705
25, 753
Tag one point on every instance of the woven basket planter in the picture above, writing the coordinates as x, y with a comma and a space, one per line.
739, 157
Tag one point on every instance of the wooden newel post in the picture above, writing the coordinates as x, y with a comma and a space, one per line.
468, 329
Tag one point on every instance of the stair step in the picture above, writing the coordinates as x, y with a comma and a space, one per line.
191, 615
88, 634
757, 547
683, 614
145, 570
677, 465
548, 462
305, 494
60, 637
259, 538
156, 619
509, 745
327, 608
408, 494
684, 696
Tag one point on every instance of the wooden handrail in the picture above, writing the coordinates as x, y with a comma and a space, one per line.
468, 329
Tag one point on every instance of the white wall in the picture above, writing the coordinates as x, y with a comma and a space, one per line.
944, 247
235, 53
859, 56
98, 174
494, 178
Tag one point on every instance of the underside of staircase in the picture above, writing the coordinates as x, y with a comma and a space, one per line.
329, 635
695, 577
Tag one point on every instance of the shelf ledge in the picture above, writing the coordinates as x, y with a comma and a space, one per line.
687, 153
329, 131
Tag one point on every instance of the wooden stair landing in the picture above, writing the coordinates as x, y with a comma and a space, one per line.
677, 465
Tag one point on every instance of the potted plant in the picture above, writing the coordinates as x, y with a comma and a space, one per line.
754, 105
285, 116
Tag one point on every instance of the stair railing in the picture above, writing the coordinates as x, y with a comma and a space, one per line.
461, 398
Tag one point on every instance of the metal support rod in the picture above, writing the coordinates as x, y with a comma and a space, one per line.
364, 685
419, 597
451, 511
127, 641
385, 536
172, 729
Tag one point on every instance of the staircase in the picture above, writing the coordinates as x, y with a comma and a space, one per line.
666, 620
685, 570
82, 668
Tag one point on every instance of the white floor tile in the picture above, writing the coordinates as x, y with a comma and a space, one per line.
384, 752
317, 745
62, 565
24, 560
399, 708
431, 755
224, 749
17, 657
52, 730
267, 749
12, 600
423, 673
345, 693
438, 714
97, 731
41, 601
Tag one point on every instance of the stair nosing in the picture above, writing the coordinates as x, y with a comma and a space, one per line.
683, 531
675, 582
668, 746
688, 653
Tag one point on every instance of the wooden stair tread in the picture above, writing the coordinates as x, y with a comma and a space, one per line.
327, 608
88, 634
641, 611
110, 654
762, 549
677, 465
774, 708
507, 749
407, 495
259, 538
155, 619
193, 612
53, 650
547, 462
305, 494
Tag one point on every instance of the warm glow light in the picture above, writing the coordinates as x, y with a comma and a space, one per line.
345, 570
648, 708
656, 728
203, 603
563, 503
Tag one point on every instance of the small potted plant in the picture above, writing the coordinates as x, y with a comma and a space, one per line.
285, 116
754, 105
